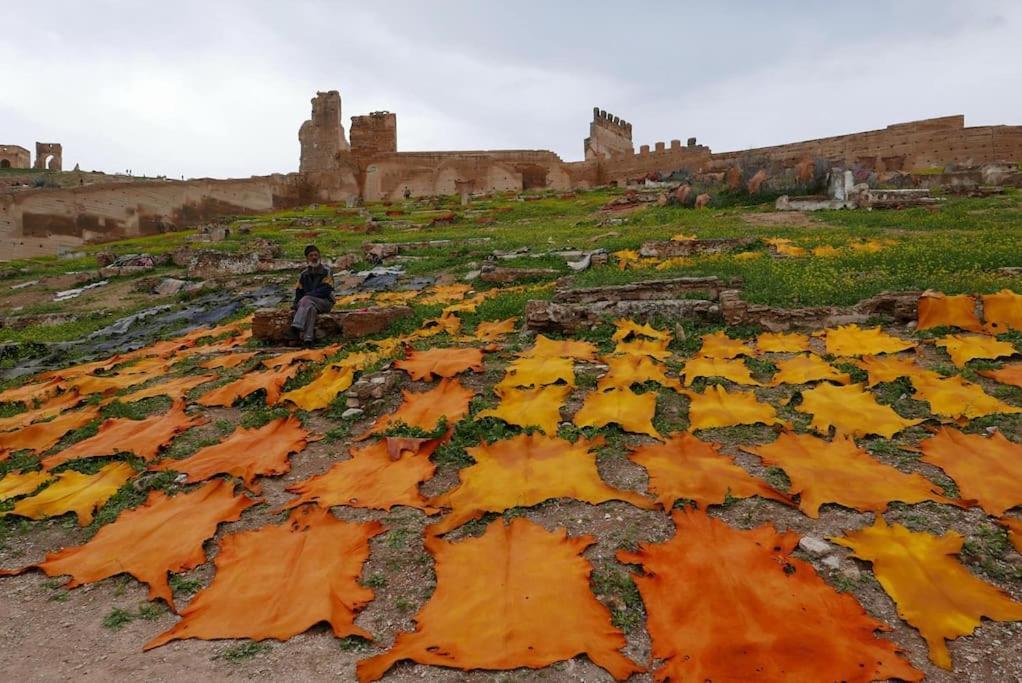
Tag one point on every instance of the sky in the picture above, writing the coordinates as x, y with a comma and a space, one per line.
219, 88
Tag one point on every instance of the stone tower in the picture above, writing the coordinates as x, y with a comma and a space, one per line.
322, 136
609, 136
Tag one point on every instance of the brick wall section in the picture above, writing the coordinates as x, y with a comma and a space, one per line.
372, 135
388, 176
661, 159
905, 146
322, 136
15, 156
609, 136
45, 221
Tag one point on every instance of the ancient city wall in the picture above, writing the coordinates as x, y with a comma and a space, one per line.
909, 146
661, 159
389, 176
46, 221
609, 136
14, 156
372, 135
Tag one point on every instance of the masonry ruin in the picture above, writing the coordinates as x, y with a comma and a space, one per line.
375, 170
609, 137
14, 156
939, 151
49, 155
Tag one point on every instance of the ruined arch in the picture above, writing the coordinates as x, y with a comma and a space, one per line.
49, 155
5, 163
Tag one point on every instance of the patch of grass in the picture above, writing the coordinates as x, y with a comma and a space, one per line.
151, 611
843, 583
404, 605
256, 413
137, 410
949, 487
857, 374
617, 590
188, 442
338, 433
76, 329
761, 368
471, 432
375, 581
56, 591
183, 585
987, 549
19, 461
12, 409
398, 538
131, 495
242, 651
354, 644
117, 618
778, 479
890, 448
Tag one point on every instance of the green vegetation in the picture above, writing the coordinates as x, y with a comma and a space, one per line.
617, 590
242, 651
118, 618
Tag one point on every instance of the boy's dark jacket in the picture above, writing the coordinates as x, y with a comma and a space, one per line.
317, 282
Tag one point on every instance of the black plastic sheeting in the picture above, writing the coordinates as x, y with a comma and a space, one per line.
135, 331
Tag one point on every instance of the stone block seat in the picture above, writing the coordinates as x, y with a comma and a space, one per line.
271, 324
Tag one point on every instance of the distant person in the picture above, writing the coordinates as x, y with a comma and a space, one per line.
313, 295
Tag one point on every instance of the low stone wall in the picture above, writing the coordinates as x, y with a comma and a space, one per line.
49, 221
273, 324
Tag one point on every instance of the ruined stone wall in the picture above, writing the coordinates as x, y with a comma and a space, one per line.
609, 136
904, 146
48, 221
49, 155
14, 156
322, 136
389, 176
372, 135
661, 159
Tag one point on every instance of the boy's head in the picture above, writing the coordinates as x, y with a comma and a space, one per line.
312, 255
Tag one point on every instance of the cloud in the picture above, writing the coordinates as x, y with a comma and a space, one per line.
219, 89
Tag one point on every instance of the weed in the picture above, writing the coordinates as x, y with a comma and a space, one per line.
375, 581
843, 583
257, 413
778, 479
183, 585
117, 618
151, 611
987, 548
354, 644
618, 591
224, 426
137, 410
398, 538
339, 433
242, 651
56, 590
132, 495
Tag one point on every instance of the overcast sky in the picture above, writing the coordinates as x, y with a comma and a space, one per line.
219, 88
